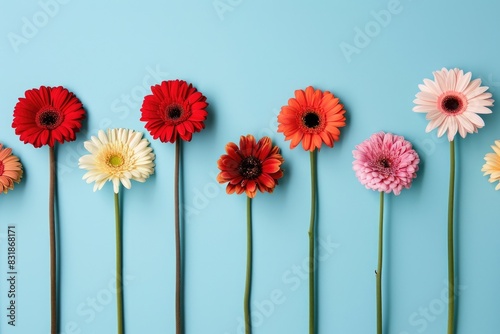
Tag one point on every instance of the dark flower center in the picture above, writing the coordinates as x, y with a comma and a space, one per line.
384, 163
451, 104
49, 119
250, 168
311, 120
174, 111
2, 168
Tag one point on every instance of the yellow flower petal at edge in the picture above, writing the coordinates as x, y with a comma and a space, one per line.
492, 165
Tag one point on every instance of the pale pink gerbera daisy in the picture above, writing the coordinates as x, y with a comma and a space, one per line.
452, 102
385, 162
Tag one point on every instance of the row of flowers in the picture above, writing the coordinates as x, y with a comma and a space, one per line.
175, 110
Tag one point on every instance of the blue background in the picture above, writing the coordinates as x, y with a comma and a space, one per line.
248, 57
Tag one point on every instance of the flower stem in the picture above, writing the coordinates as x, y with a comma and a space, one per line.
52, 241
378, 273
451, 260
119, 267
312, 259
248, 284
178, 274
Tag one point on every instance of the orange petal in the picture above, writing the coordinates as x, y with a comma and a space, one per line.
309, 95
271, 166
300, 95
296, 139
306, 142
266, 180
316, 138
327, 138
316, 98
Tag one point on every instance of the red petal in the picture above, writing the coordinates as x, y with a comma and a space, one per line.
271, 166
266, 180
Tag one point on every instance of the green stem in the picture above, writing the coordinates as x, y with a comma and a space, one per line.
451, 260
378, 273
248, 284
178, 266
312, 259
119, 267
52, 242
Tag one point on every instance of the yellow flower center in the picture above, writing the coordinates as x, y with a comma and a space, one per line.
115, 160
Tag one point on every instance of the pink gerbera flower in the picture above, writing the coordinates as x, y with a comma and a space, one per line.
452, 102
385, 162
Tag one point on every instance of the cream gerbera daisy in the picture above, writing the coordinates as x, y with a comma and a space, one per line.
452, 102
492, 165
120, 155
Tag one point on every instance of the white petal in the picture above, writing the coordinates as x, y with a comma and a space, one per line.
475, 119
116, 185
90, 146
126, 182
482, 99
95, 141
425, 96
479, 109
463, 81
433, 87
462, 130
465, 123
442, 129
473, 85
135, 139
433, 115
452, 127
435, 123
424, 108
99, 185
440, 79
102, 137
476, 92
451, 80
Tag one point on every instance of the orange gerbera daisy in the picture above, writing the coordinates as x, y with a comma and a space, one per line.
313, 117
250, 166
11, 169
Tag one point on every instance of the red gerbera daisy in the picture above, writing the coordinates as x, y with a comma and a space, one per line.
313, 117
250, 166
47, 115
174, 109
